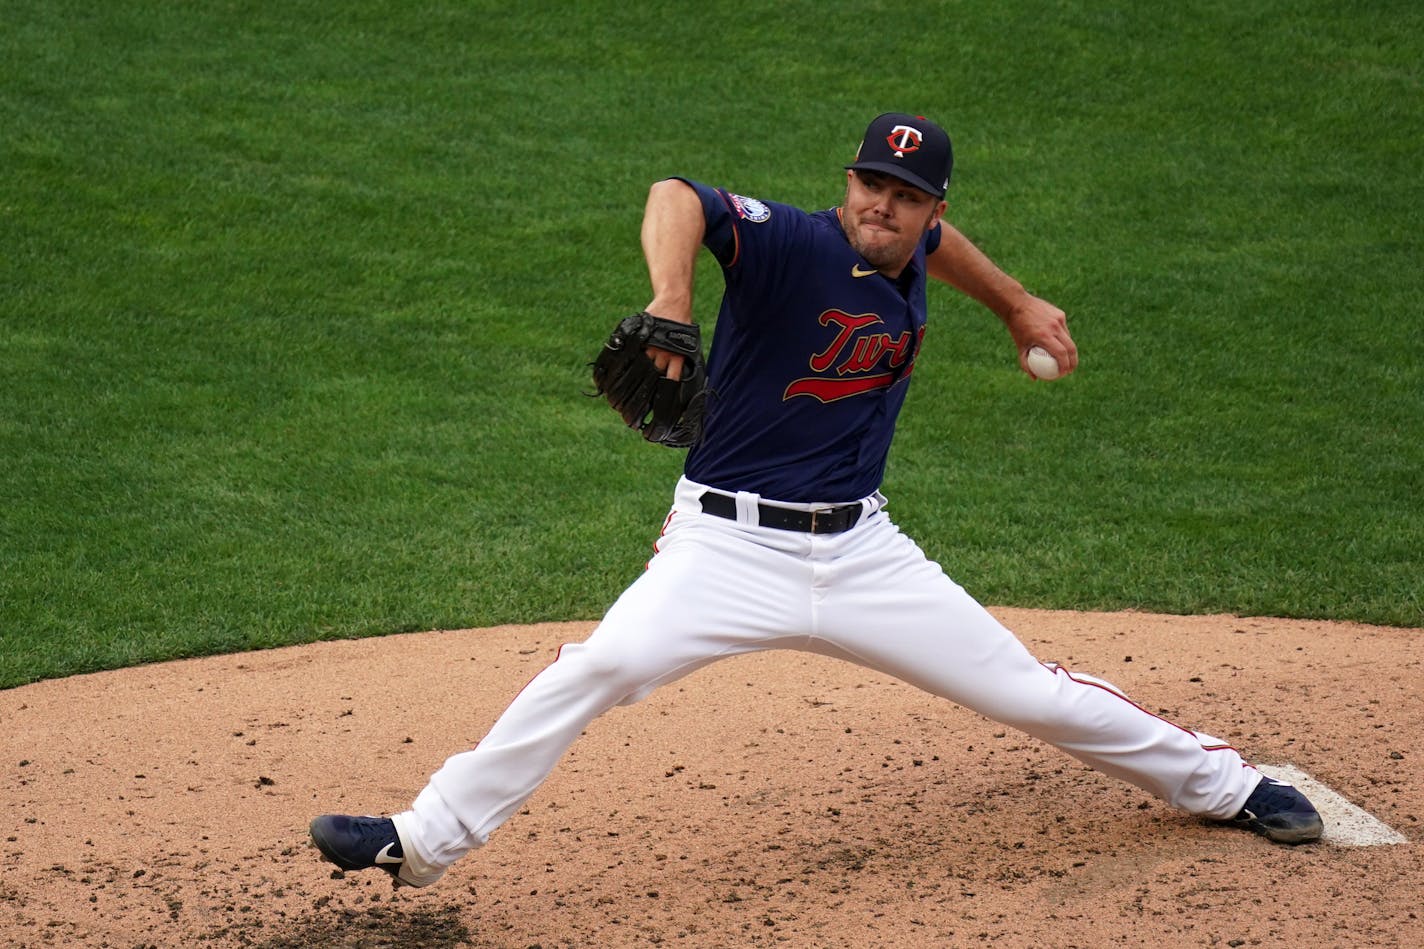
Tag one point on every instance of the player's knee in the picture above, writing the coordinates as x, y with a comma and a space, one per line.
1085, 701
1028, 716
609, 668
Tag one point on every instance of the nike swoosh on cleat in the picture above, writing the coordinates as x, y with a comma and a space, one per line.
385, 855
857, 272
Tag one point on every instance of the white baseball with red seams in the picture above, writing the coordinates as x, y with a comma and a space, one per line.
1042, 364
718, 587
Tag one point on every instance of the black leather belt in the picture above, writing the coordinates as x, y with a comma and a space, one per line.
832, 520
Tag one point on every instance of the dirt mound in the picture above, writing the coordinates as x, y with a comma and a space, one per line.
775, 799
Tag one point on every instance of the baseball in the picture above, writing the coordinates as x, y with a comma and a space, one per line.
1042, 365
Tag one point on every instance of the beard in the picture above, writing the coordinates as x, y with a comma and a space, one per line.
892, 252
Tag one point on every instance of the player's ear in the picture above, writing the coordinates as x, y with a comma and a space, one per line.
937, 215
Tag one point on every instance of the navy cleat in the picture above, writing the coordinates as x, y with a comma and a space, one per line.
359, 843
1281, 813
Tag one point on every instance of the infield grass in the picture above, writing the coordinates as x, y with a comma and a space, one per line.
296, 302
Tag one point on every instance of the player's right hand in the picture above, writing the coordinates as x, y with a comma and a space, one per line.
1036, 322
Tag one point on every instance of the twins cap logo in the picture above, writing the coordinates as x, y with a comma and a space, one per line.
904, 139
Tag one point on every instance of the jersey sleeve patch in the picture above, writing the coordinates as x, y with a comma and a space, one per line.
750, 209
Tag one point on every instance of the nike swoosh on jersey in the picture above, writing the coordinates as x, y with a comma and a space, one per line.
857, 272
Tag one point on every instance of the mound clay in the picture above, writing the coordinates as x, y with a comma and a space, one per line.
776, 799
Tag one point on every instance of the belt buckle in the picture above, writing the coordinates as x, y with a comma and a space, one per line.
813, 521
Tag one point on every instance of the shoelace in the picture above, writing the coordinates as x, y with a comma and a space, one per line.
1270, 798
373, 834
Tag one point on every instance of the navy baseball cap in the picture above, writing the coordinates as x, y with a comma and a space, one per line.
910, 147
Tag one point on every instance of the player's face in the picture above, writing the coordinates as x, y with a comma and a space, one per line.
884, 218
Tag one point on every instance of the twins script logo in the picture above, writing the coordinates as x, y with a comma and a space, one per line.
854, 356
904, 139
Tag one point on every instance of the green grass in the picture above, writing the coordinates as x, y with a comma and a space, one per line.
296, 302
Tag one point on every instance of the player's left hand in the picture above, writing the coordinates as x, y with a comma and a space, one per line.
1036, 322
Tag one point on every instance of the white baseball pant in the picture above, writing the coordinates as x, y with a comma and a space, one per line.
717, 587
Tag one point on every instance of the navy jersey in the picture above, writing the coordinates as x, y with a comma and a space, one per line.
811, 357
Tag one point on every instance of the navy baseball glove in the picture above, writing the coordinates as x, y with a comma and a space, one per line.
666, 411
